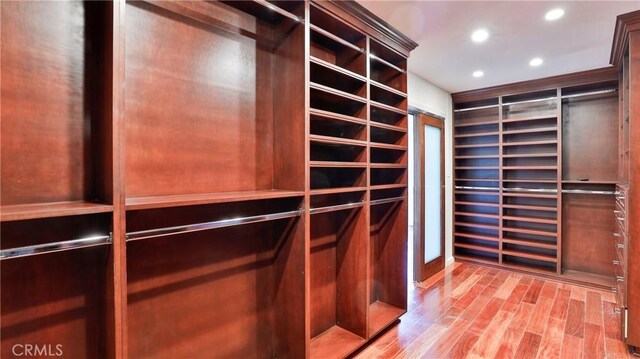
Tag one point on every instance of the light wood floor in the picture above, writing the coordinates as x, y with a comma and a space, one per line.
471, 311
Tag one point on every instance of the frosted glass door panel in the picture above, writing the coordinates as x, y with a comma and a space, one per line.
432, 193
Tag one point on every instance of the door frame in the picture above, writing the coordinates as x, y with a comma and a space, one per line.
425, 270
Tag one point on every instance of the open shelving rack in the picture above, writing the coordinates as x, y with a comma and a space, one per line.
523, 184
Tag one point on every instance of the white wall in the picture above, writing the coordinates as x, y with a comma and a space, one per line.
429, 98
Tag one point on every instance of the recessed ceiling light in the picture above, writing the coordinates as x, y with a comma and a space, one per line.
480, 35
535, 62
478, 73
554, 14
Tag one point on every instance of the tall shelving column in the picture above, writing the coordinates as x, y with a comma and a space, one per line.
388, 145
530, 177
477, 181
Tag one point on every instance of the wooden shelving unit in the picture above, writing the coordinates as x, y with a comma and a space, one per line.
258, 169
527, 177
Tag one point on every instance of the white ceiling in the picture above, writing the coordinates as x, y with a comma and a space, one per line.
581, 40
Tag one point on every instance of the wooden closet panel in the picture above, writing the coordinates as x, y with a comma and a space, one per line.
55, 298
49, 81
588, 127
197, 119
588, 248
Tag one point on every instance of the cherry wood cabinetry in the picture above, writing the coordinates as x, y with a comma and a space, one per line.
193, 179
625, 55
534, 184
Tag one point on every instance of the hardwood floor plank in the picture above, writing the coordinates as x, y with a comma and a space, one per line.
507, 287
534, 291
593, 308
488, 277
593, 341
462, 346
489, 341
561, 304
442, 346
486, 315
551, 344
578, 293
549, 290
540, 317
611, 320
575, 319
529, 345
571, 347
515, 331
475, 307
465, 286
616, 349
512, 303
470, 296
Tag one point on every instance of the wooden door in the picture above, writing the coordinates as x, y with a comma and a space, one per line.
429, 253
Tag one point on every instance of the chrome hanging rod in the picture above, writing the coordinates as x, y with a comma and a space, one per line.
530, 101
592, 93
478, 188
475, 108
280, 11
538, 190
337, 207
386, 200
188, 228
28, 251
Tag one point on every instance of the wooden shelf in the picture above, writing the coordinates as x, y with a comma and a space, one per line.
482, 193
335, 342
337, 68
476, 157
533, 208
337, 116
530, 143
478, 134
477, 258
590, 278
477, 179
476, 168
385, 126
381, 315
476, 236
482, 123
529, 267
529, 195
530, 168
530, 243
140, 203
476, 225
388, 186
323, 191
530, 231
480, 145
529, 118
472, 214
529, 181
49, 210
335, 92
538, 257
589, 182
388, 146
337, 164
476, 247
530, 155
530, 219
388, 165
388, 108
336, 141
387, 88
531, 130
483, 204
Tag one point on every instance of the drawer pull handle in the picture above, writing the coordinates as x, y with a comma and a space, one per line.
616, 262
620, 245
616, 234
619, 278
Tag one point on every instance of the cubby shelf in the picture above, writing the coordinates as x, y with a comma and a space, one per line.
388, 146
529, 118
325, 191
337, 93
49, 210
385, 126
337, 164
381, 315
337, 116
476, 247
140, 203
335, 342
337, 68
479, 123
336, 141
